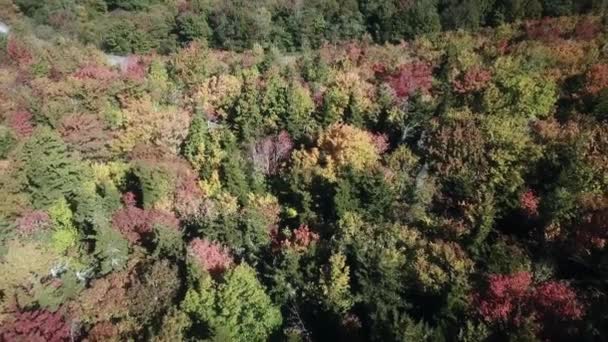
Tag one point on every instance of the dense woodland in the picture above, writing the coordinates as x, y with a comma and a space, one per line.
142, 26
334, 170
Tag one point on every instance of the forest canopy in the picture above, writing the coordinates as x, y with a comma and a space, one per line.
422, 170
141, 26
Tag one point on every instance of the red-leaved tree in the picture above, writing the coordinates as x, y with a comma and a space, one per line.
135, 68
591, 231
302, 238
18, 52
528, 201
512, 298
136, 223
36, 326
546, 29
473, 80
410, 78
103, 331
211, 256
557, 300
162, 218
131, 221
188, 201
597, 79
503, 295
380, 142
299, 240
85, 133
33, 221
21, 123
587, 28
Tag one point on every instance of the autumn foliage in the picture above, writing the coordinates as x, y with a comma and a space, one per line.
592, 231
529, 203
21, 123
546, 29
211, 256
558, 299
38, 326
597, 78
33, 221
95, 72
85, 133
136, 223
513, 298
18, 52
472, 80
411, 78
503, 295
299, 240
587, 28
429, 170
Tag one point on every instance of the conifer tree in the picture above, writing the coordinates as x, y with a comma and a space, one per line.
50, 171
237, 309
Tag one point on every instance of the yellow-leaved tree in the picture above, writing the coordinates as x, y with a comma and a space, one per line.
338, 147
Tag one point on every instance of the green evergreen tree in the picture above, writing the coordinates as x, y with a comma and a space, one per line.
419, 19
464, 14
51, 172
7, 141
155, 183
236, 308
129, 5
246, 117
192, 26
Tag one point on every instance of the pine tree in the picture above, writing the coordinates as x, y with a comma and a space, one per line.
50, 171
237, 309
247, 117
